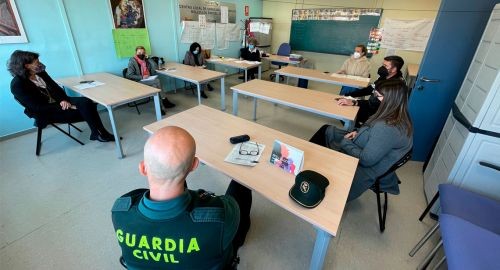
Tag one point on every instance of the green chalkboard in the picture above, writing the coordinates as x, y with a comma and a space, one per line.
329, 36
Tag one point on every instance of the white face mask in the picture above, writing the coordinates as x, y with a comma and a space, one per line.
356, 55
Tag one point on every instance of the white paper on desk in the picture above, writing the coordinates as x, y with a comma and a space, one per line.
215, 60
251, 62
229, 59
83, 86
247, 160
358, 78
223, 14
150, 78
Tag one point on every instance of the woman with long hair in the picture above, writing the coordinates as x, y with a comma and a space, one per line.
194, 57
384, 139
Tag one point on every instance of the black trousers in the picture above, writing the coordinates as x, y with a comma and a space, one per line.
86, 111
243, 197
319, 137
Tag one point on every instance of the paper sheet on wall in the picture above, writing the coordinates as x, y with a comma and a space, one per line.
221, 36
190, 32
255, 27
233, 32
411, 35
224, 14
127, 39
207, 36
264, 28
202, 20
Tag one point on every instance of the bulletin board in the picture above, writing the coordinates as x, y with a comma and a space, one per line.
332, 30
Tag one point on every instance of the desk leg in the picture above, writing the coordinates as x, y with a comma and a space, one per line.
198, 87
277, 78
119, 150
260, 72
255, 109
246, 71
235, 103
157, 106
320, 249
222, 95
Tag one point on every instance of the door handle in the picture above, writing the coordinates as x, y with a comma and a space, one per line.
489, 165
424, 79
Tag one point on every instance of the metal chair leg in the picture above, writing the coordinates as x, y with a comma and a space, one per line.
69, 135
428, 208
75, 127
424, 239
429, 257
379, 207
384, 213
439, 263
38, 141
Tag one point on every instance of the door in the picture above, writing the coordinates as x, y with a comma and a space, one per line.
456, 33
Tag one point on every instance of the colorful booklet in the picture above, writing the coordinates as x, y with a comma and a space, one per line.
287, 157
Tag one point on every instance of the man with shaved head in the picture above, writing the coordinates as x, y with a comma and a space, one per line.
171, 227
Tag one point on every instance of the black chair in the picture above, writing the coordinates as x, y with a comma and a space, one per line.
377, 190
135, 103
41, 125
123, 263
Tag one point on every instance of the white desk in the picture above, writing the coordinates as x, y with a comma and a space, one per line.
212, 129
235, 63
308, 100
116, 91
319, 76
196, 75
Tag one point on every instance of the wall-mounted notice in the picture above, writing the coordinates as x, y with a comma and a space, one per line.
224, 14
202, 21
127, 39
190, 9
411, 35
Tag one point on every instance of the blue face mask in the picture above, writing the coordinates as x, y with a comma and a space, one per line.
196, 52
251, 46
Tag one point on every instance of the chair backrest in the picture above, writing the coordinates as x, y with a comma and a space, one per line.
284, 49
398, 164
124, 72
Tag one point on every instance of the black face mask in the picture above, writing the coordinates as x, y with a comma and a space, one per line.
141, 56
383, 72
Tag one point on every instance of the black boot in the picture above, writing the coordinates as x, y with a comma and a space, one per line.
203, 95
167, 104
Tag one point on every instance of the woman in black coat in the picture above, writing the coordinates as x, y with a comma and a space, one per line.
46, 101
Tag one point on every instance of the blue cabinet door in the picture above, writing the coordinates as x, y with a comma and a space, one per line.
457, 30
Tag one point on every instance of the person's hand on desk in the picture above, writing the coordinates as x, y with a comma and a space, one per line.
346, 102
351, 135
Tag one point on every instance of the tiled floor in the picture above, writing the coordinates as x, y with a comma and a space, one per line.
55, 208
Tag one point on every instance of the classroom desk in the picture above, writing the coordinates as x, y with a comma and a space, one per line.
412, 72
311, 101
282, 59
236, 63
196, 75
319, 76
116, 91
212, 129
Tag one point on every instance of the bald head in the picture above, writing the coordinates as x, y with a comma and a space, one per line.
169, 154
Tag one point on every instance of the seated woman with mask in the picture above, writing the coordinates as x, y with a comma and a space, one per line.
195, 58
44, 99
384, 139
356, 65
250, 53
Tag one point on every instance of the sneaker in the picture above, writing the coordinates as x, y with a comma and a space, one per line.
203, 95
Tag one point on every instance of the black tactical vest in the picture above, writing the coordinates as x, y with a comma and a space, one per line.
192, 240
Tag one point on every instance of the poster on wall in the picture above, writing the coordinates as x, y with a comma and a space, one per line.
128, 13
411, 35
126, 40
190, 9
11, 28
